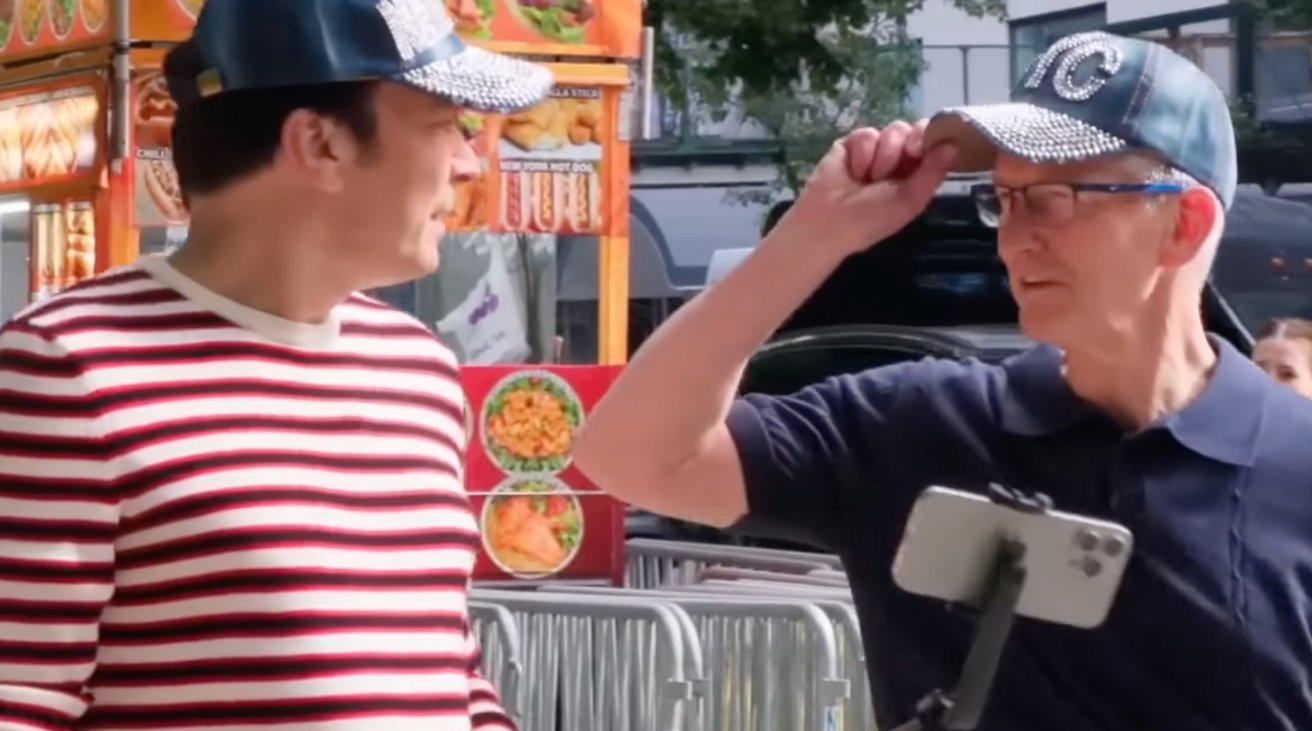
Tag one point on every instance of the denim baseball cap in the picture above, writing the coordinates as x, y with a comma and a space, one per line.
262, 44
1095, 94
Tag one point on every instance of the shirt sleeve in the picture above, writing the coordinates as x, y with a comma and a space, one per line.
58, 517
807, 456
485, 710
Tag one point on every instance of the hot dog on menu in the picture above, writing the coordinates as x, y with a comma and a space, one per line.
551, 202
583, 202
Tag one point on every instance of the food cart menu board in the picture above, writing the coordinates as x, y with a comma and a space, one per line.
540, 517
608, 28
48, 135
158, 196
592, 28
39, 27
549, 169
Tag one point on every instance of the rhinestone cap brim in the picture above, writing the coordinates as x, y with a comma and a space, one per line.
483, 81
1027, 131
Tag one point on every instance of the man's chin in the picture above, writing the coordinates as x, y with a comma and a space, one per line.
1044, 327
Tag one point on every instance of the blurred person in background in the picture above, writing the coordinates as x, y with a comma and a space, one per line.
1284, 351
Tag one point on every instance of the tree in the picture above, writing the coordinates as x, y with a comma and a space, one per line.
806, 70
1284, 14
873, 89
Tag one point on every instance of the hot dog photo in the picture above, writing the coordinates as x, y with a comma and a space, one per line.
158, 196
550, 162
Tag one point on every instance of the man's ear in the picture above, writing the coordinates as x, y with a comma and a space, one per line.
1197, 214
317, 149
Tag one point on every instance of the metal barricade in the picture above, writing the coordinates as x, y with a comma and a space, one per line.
502, 654
653, 563
759, 653
858, 714
603, 663
814, 578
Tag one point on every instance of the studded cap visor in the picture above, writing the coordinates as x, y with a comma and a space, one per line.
470, 77
1024, 130
1094, 94
484, 81
265, 44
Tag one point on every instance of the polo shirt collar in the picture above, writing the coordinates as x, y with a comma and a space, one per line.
1223, 423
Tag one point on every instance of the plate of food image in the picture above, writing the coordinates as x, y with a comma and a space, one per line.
61, 17
7, 10
529, 420
473, 18
94, 13
31, 16
532, 527
562, 21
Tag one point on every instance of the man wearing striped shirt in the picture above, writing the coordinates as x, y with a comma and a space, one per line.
230, 488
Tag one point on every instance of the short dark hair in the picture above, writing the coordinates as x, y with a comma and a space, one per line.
220, 139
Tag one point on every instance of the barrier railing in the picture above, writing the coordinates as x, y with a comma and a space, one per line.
712, 638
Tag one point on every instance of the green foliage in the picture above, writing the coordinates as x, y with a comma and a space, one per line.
806, 70
766, 44
1283, 14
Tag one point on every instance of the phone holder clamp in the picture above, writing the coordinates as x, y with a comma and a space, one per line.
963, 708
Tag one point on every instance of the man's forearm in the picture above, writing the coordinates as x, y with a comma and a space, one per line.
696, 358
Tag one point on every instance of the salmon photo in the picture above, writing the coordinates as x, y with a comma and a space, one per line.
532, 527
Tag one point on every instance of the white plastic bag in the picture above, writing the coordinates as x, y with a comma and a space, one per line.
488, 327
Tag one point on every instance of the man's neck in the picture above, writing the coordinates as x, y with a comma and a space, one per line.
1146, 373
262, 265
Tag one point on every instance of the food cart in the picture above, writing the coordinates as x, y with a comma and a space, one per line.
87, 184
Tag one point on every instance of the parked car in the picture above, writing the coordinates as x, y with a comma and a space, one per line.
938, 289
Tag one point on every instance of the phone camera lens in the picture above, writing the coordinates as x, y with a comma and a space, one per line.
1086, 539
1113, 546
1092, 566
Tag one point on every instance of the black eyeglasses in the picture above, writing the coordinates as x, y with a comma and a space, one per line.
1051, 204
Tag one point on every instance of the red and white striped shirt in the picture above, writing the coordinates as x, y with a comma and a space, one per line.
212, 518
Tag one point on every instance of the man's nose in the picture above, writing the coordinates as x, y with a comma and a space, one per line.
1015, 236
464, 162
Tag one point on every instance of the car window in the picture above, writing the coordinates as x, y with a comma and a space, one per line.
1264, 265
942, 270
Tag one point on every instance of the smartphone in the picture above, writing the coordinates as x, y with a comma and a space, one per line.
1074, 564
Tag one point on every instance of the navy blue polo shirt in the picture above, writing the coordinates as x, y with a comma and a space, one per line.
1212, 627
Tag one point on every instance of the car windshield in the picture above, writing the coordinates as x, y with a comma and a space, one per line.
943, 270
1264, 267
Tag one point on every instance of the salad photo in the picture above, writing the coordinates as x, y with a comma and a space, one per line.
473, 18
557, 20
7, 10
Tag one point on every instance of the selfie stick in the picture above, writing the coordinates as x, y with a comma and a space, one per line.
963, 708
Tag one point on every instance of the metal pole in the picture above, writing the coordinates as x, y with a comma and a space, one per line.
120, 87
647, 69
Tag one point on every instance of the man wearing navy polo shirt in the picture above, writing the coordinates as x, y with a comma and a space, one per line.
1113, 167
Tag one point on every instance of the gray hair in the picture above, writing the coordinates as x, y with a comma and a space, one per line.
1168, 174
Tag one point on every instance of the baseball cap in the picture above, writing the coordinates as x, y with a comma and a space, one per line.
262, 44
1094, 94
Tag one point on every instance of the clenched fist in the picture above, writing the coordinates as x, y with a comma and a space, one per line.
870, 185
